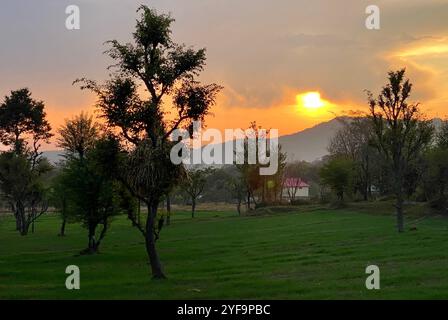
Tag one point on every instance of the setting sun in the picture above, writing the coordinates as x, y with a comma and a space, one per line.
312, 100
311, 104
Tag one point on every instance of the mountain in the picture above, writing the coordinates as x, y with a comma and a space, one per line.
310, 144
53, 155
307, 145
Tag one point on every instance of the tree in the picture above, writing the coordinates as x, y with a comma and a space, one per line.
252, 182
167, 70
168, 208
442, 136
78, 135
23, 188
400, 133
268, 188
308, 172
353, 140
250, 172
436, 177
291, 189
194, 184
273, 185
94, 195
237, 189
59, 199
296, 170
435, 171
23, 127
338, 175
23, 120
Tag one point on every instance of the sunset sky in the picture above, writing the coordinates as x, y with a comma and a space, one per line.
288, 64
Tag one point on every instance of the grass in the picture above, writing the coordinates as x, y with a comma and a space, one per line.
296, 255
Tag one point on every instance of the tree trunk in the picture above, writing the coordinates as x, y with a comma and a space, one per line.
399, 169
62, 231
32, 223
193, 207
101, 237
252, 195
22, 223
17, 220
91, 236
366, 169
365, 193
91, 245
369, 183
156, 267
400, 217
168, 210
238, 207
138, 211
263, 191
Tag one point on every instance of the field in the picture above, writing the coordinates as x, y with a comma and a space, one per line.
298, 255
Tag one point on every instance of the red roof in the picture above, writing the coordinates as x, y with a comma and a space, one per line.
294, 183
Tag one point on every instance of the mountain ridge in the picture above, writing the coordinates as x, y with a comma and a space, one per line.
306, 145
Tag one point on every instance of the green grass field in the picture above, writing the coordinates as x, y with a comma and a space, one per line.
315, 255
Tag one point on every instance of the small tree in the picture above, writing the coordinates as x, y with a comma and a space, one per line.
400, 133
94, 194
237, 188
23, 188
273, 185
353, 141
23, 127
435, 171
291, 189
59, 200
194, 184
435, 177
23, 124
338, 175
250, 172
78, 135
442, 136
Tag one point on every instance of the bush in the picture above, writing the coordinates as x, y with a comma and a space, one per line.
440, 205
301, 202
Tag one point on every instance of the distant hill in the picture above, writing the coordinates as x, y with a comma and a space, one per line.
53, 156
310, 144
307, 145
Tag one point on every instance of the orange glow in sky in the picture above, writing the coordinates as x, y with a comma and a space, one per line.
310, 100
293, 113
311, 105
310, 73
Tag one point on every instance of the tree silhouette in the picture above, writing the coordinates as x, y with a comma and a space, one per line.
194, 184
23, 127
338, 175
166, 70
401, 135
93, 194
78, 135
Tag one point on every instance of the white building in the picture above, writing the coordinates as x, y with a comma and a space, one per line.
295, 188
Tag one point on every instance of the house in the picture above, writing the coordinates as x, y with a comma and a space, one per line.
295, 188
